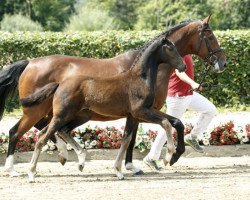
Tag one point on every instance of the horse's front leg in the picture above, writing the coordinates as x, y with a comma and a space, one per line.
180, 149
127, 135
157, 117
129, 154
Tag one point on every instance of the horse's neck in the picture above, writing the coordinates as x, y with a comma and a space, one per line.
147, 68
182, 39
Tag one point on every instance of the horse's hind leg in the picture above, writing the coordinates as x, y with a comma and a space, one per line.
80, 152
64, 133
54, 125
180, 149
23, 125
160, 118
130, 124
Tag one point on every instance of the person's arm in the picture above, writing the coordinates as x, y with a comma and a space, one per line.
184, 77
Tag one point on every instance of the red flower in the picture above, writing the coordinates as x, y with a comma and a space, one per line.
117, 144
19, 145
99, 144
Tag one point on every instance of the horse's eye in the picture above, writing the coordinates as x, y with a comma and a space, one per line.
170, 47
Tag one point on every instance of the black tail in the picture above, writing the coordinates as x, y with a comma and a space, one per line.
40, 95
9, 77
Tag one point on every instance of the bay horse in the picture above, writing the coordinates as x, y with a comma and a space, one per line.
128, 94
192, 37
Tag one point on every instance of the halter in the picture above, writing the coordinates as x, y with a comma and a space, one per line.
211, 58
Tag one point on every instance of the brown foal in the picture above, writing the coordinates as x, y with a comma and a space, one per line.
129, 94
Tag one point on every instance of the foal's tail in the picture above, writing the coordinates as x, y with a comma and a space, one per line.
9, 77
40, 95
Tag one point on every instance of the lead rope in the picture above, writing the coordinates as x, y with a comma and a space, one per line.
207, 68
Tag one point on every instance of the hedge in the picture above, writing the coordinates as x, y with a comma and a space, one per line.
234, 80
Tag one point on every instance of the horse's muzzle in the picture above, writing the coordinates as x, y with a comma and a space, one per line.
220, 66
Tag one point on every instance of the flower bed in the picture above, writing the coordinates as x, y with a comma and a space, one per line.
110, 137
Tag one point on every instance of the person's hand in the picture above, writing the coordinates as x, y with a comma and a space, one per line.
196, 87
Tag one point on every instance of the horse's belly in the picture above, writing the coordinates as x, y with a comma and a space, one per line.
110, 110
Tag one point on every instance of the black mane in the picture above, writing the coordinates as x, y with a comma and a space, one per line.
165, 34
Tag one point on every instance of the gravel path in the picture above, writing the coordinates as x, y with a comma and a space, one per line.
190, 178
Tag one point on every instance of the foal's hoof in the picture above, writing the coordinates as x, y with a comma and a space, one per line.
80, 167
62, 160
174, 159
140, 172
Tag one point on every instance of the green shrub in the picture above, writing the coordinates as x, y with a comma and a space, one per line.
235, 79
19, 22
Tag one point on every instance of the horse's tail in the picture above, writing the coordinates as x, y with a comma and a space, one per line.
40, 95
9, 77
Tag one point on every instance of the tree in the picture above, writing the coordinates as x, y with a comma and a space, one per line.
90, 19
19, 22
52, 14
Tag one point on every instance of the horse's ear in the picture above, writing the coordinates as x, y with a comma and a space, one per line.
206, 20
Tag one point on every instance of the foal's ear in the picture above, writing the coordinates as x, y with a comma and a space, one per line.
168, 44
206, 20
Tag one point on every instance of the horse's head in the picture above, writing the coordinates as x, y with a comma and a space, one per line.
170, 55
207, 46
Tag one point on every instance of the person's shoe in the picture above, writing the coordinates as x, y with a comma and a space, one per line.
194, 144
153, 164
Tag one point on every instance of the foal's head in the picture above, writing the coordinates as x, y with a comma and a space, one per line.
169, 55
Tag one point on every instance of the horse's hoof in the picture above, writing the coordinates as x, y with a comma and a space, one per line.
80, 167
31, 176
172, 161
139, 173
165, 162
14, 173
62, 160
120, 177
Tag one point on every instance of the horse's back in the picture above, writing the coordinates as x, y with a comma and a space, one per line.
56, 68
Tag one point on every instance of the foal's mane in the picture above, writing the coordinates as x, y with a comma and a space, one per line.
157, 37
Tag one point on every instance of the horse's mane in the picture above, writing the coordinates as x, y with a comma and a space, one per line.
165, 34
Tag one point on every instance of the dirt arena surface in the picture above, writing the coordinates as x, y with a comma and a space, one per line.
190, 178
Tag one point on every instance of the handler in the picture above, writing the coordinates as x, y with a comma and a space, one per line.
180, 98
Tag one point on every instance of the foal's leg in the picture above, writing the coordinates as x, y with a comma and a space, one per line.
180, 149
124, 145
157, 117
129, 153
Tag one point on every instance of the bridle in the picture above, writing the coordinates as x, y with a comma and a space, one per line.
211, 58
